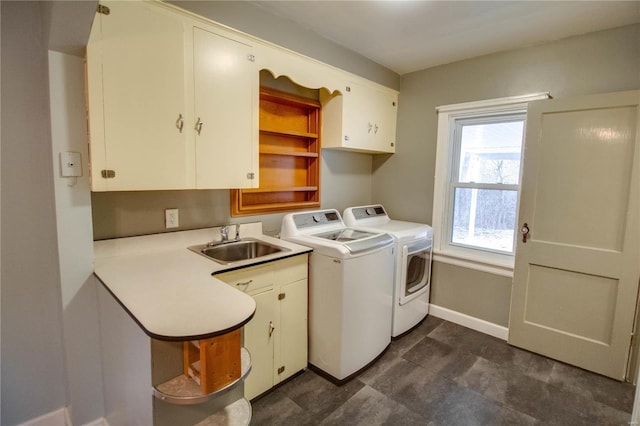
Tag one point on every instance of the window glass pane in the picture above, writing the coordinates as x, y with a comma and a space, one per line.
490, 152
484, 218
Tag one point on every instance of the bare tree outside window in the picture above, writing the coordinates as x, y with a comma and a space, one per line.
486, 194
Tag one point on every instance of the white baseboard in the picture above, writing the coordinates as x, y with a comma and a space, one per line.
60, 418
468, 321
97, 422
54, 418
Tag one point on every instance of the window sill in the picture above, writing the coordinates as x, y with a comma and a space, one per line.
504, 269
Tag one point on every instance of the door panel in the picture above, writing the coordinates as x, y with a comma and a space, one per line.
576, 276
571, 302
592, 152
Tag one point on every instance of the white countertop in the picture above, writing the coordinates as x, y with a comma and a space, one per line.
170, 291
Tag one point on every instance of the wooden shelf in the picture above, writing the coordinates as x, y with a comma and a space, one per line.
289, 157
282, 189
291, 133
291, 154
183, 390
273, 208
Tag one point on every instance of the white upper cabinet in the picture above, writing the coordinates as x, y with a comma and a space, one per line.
135, 70
171, 105
226, 112
362, 119
173, 100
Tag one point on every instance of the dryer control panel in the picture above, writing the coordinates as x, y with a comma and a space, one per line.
368, 211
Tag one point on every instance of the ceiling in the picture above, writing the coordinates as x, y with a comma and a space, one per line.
407, 36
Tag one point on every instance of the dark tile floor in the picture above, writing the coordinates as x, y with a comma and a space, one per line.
445, 374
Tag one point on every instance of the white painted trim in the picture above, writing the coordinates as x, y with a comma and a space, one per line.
477, 265
55, 418
466, 257
60, 418
636, 405
492, 103
468, 321
98, 422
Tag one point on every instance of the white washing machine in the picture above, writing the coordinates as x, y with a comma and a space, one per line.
350, 291
414, 243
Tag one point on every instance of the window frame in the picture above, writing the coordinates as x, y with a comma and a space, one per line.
485, 260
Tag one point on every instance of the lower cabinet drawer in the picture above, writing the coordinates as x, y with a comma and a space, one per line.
250, 280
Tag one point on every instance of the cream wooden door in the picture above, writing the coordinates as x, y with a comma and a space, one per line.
135, 69
259, 340
291, 351
226, 112
576, 277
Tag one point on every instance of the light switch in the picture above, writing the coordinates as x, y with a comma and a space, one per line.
70, 164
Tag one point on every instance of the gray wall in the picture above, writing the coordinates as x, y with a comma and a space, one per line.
75, 243
250, 18
33, 369
605, 61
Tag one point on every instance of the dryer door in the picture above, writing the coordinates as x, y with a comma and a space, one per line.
416, 270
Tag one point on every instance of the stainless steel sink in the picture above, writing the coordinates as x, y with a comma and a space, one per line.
236, 251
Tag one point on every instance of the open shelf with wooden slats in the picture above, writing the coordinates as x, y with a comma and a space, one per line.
289, 157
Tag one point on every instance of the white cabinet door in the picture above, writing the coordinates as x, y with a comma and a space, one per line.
291, 353
259, 335
226, 111
136, 90
362, 119
384, 116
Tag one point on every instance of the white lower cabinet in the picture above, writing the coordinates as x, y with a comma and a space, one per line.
276, 336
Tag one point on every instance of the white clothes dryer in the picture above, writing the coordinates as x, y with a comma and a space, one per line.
412, 280
350, 291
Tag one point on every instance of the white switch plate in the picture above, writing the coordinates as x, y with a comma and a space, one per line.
171, 218
70, 164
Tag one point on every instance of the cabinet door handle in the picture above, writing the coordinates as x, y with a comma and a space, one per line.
271, 328
370, 127
244, 283
375, 129
198, 127
180, 123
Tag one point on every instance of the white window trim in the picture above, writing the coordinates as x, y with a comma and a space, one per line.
467, 257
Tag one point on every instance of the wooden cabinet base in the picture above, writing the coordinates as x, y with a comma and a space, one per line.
213, 363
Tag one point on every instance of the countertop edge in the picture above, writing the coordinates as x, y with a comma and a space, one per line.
132, 268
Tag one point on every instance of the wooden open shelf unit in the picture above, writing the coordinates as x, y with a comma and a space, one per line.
289, 156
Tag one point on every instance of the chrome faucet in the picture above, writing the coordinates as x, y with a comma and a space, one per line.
224, 233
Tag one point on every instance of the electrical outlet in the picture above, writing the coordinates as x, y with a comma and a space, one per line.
171, 218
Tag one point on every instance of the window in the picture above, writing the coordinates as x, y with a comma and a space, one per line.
477, 185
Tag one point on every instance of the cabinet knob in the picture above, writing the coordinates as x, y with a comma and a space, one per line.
271, 328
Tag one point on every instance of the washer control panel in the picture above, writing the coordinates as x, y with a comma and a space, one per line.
318, 218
